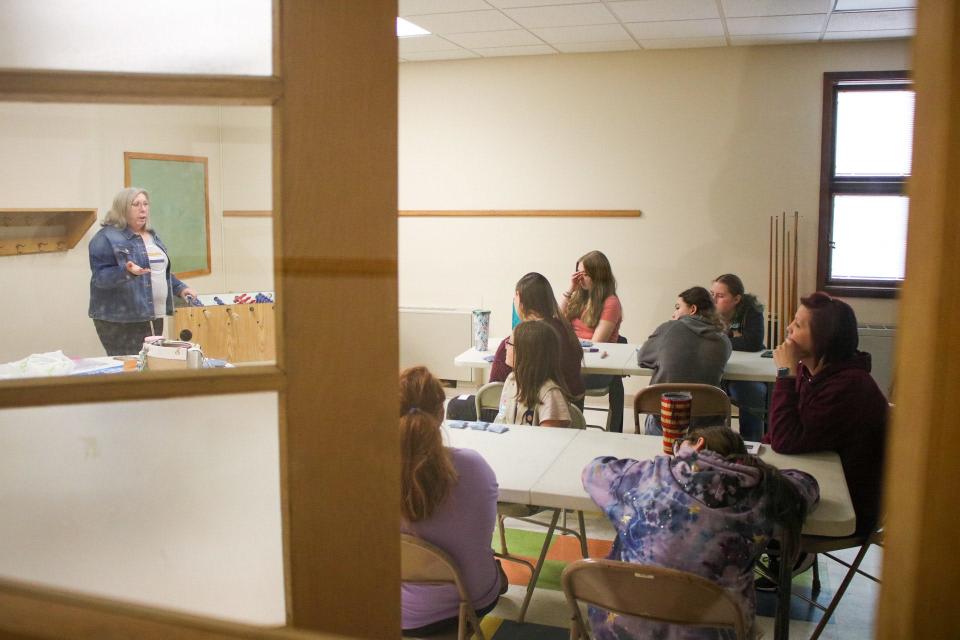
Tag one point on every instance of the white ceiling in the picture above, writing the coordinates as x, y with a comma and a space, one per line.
487, 28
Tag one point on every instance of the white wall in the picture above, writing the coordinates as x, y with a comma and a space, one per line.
71, 155
172, 503
708, 143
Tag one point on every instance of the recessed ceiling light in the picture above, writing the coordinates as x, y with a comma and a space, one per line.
405, 29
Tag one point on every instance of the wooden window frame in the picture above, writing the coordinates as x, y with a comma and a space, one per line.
334, 129
831, 185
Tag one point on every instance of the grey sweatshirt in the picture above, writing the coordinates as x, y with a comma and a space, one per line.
690, 349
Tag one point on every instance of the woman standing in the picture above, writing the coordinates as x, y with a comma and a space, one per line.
709, 510
742, 316
826, 400
448, 498
691, 347
534, 300
593, 309
131, 287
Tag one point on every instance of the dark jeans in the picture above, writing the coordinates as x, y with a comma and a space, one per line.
751, 398
614, 384
126, 338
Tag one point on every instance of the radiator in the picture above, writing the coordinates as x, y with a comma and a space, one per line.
433, 338
877, 340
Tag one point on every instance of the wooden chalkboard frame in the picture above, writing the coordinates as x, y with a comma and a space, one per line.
129, 156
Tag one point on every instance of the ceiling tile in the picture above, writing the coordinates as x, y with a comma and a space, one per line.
676, 29
483, 39
683, 43
562, 16
749, 8
591, 47
779, 38
464, 22
865, 5
419, 44
647, 10
459, 54
869, 35
872, 20
512, 4
418, 7
778, 24
594, 33
533, 50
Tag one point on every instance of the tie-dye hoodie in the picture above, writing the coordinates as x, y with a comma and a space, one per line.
694, 512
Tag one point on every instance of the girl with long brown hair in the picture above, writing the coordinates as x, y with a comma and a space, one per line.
448, 498
534, 300
593, 309
534, 393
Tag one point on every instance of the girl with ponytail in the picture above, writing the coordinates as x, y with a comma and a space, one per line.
710, 510
448, 498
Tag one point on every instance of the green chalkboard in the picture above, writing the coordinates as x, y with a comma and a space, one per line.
179, 206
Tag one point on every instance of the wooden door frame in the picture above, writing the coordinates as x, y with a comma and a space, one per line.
334, 99
920, 566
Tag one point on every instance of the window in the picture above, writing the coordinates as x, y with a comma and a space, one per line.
866, 156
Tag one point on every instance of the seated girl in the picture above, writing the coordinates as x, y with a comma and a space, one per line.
533, 300
825, 400
709, 510
448, 498
691, 347
534, 393
593, 309
742, 317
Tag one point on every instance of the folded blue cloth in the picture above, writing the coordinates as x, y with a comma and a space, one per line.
457, 424
488, 358
498, 428
586, 343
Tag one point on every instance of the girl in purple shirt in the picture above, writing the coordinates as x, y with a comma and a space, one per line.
448, 498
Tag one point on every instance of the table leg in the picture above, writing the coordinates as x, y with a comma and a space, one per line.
539, 566
788, 557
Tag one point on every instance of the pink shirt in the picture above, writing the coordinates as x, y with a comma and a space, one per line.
612, 311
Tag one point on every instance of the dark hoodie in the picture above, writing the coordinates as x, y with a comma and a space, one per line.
840, 409
690, 349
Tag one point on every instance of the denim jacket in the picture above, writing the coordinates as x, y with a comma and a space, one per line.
116, 294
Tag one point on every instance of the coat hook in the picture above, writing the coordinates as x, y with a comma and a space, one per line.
40, 246
62, 246
20, 248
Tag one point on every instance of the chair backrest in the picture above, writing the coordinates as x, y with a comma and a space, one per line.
423, 562
653, 593
488, 397
708, 400
577, 421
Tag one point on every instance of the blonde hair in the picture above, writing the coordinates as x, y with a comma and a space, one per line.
117, 215
426, 467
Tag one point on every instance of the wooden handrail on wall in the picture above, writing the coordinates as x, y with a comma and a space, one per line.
481, 213
522, 213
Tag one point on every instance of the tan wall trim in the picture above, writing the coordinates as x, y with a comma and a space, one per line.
521, 213
154, 385
137, 88
28, 611
247, 214
920, 566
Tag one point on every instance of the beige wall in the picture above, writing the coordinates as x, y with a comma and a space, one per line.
708, 143
72, 156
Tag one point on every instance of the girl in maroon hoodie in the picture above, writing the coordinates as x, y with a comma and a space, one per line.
826, 400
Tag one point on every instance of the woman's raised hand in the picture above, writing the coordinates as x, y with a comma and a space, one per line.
136, 269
